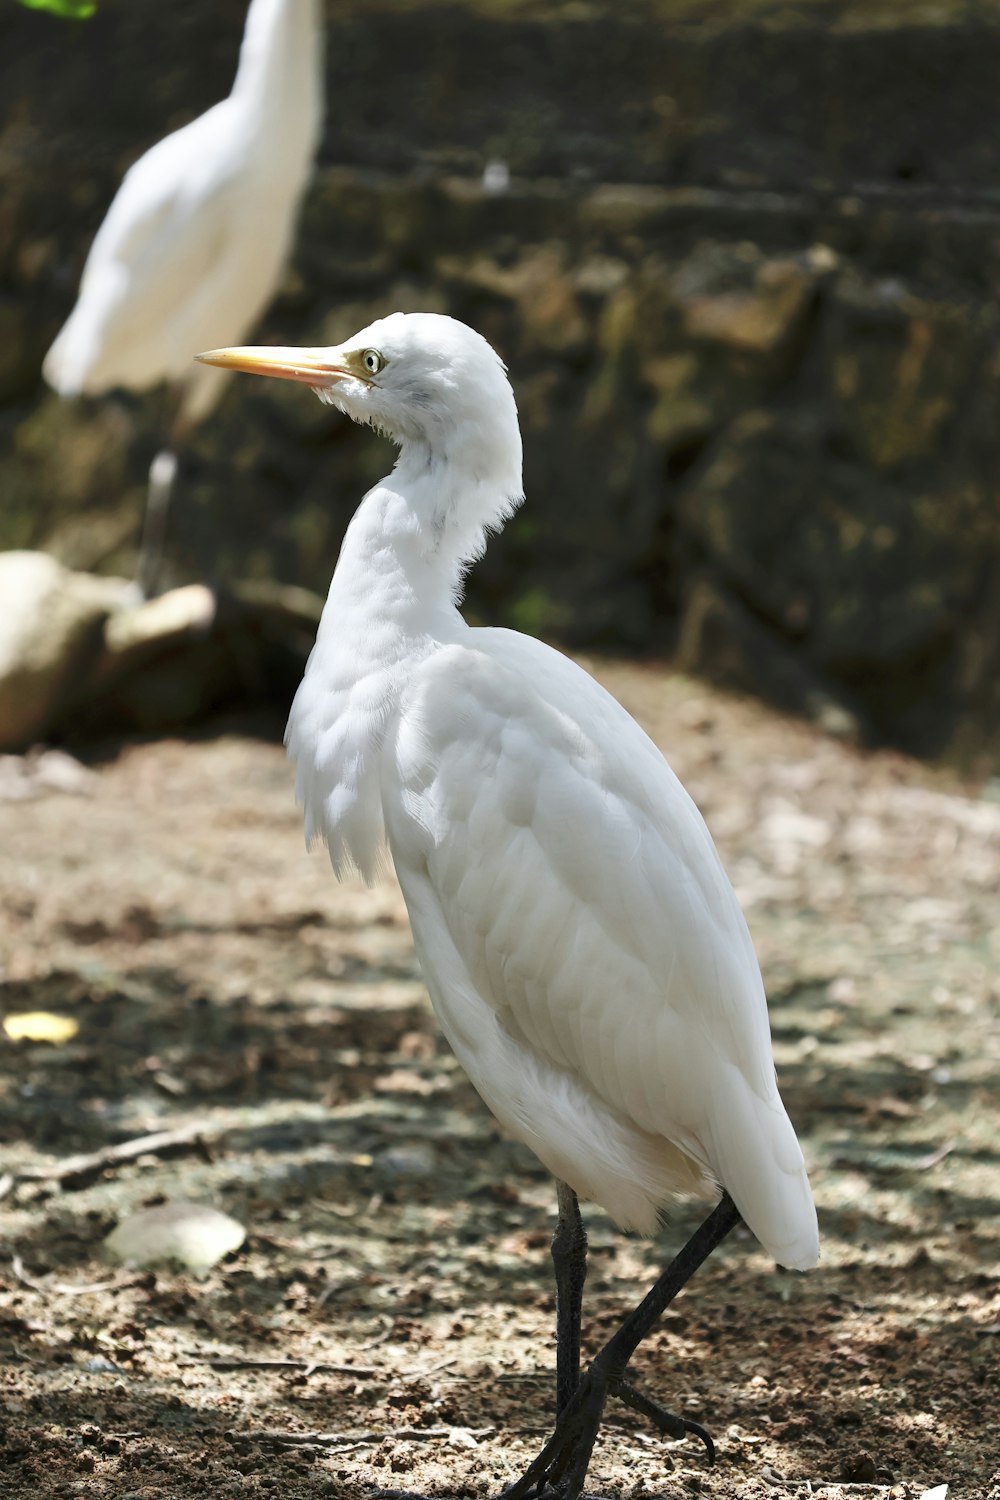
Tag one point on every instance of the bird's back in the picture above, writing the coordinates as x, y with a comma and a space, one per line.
194, 243
582, 943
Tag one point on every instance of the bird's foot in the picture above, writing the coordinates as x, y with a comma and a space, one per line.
666, 1422
560, 1470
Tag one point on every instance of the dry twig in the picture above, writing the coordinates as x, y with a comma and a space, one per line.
307, 1366
924, 1163
69, 1288
283, 1438
76, 1171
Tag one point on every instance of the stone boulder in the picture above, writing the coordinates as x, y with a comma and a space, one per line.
84, 656
51, 627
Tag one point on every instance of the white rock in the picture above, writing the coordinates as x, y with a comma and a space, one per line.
175, 615
42, 771
189, 1234
50, 629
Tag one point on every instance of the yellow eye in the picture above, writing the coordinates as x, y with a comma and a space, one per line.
372, 361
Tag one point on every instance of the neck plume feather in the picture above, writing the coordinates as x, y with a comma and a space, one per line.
460, 483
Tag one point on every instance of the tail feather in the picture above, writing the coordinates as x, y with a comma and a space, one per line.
757, 1157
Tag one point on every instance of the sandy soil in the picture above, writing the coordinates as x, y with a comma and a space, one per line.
388, 1323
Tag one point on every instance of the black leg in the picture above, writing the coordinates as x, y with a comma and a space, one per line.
569, 1257
560, 1470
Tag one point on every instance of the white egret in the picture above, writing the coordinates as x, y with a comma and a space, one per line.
194, 244
584, 950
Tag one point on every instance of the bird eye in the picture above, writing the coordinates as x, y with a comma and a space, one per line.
372, 361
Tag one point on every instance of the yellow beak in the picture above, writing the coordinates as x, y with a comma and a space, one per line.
311, 366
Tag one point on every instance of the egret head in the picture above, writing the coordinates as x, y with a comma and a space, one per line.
419, 377
442, 394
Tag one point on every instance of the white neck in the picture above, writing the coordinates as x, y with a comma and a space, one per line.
390, 596
281, 62
398, 580
393, 601
450, 496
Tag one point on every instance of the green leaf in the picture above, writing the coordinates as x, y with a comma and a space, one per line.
73, 10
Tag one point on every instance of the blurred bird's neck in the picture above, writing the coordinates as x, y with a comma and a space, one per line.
281, 63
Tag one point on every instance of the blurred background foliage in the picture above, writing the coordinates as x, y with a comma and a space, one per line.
73, 10
740, 257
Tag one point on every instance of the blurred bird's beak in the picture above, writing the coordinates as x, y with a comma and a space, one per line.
311, 366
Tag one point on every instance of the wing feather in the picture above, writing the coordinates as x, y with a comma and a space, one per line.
576, 880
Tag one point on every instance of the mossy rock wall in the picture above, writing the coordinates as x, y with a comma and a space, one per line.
744, 278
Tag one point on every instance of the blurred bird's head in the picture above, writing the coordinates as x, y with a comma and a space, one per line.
426, 380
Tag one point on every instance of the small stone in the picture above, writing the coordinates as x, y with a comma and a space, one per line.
191, 1234
860, 1469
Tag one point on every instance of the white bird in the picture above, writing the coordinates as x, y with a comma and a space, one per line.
583, 948
194, 244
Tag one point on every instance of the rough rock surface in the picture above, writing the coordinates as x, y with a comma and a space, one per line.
744, 277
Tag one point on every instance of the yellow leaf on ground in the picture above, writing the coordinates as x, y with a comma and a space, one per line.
40, 1026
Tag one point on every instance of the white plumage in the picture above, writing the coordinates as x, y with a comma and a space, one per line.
194, 244
583, 948
585, 953
581, 943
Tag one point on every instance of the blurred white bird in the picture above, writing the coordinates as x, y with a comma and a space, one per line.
583, 948
195, 242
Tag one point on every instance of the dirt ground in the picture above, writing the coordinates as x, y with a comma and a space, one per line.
387, 1325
